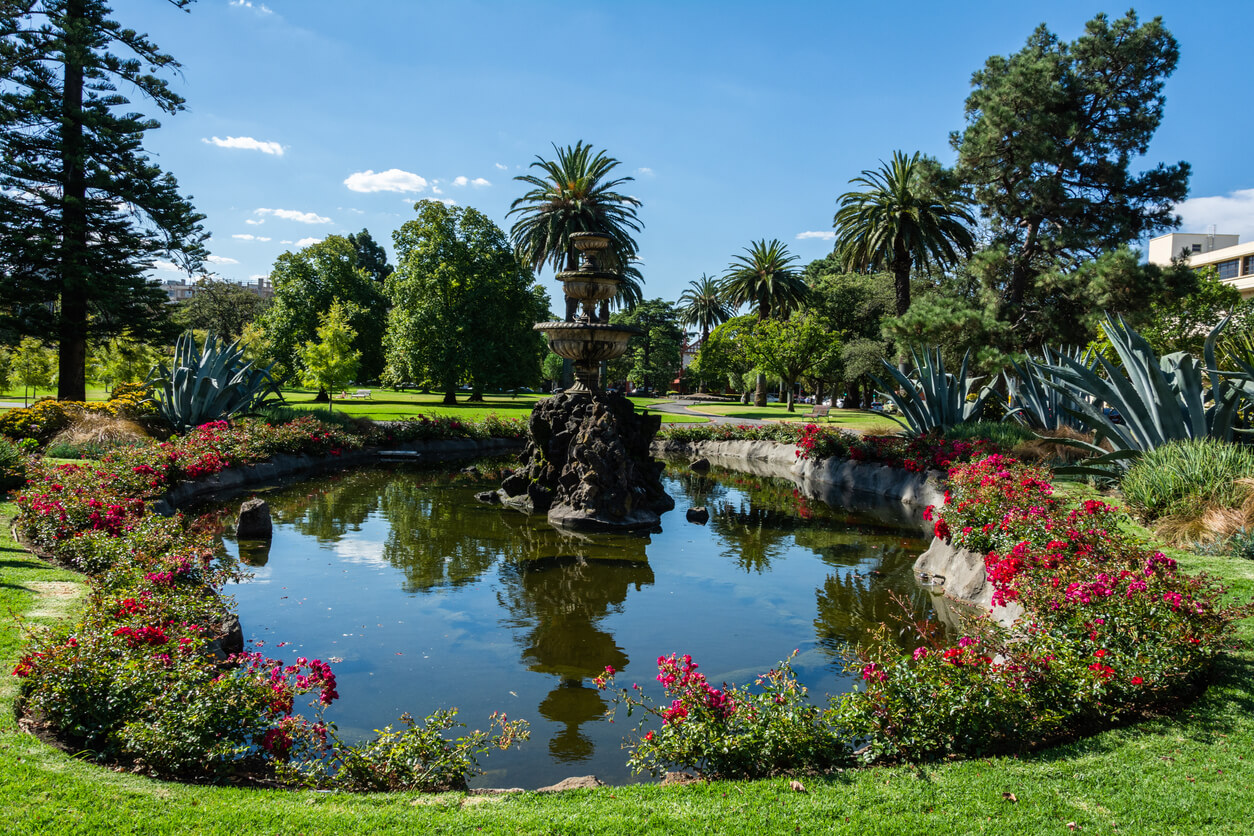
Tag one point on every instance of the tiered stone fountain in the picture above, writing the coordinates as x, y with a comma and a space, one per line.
588, 465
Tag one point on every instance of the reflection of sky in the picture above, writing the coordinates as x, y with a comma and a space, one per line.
455, 644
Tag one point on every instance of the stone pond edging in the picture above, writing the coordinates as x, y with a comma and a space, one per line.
955, 573
285, 465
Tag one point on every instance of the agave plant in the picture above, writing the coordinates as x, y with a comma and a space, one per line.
1159, 400
1038, 404
210, 384
934, 400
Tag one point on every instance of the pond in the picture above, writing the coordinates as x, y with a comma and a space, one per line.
424, 598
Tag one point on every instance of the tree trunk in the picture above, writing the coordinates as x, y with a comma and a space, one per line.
791, 407
450, 398
759, 392
323, 395
73, 266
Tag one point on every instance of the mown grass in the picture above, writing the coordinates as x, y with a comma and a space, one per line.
1187, 774
387, 405
850, 419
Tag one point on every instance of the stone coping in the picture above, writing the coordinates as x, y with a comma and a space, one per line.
286, 465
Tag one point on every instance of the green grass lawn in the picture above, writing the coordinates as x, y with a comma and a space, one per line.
1189, 774
387, 405
850, 419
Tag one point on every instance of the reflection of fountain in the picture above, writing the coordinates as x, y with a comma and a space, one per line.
588, 465
560, 601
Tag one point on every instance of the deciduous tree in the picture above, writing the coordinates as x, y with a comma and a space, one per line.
330, 362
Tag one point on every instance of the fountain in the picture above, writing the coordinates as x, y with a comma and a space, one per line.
588, 465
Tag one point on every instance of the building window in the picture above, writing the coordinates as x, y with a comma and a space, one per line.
1227, 269
1248, 268
1197, 248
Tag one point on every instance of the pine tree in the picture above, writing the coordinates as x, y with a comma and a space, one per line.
84, 212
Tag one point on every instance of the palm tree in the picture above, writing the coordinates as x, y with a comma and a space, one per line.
573, 194
702, 305
764, 278
900, 220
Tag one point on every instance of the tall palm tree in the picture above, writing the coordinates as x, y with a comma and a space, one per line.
764, 278
573, 193
898, 221
703, 305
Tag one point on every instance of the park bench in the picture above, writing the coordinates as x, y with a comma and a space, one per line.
818, 412
362, 393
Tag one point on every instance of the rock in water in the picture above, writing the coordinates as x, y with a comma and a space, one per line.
588, 465
699, 515
254, 521
700, 466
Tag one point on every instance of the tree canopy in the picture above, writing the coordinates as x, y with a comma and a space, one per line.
462, 305
653, 358
306, 283
225, 308
1047, 150
84, 212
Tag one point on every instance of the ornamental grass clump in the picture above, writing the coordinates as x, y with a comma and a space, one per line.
1193, 492
1110, 629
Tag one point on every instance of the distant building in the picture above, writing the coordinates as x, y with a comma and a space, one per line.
181, 291
1233, 260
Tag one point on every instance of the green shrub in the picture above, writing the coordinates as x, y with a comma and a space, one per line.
13, 464
1005, 435
1184, 477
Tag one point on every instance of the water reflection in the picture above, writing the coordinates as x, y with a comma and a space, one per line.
554, 607
408, 579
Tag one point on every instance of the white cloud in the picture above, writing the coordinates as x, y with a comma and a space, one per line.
479, 183
305, 242
244, 236
827, 235
256, 276
645, 172
246, 143
221, 259
294, 215
392, 180
501, 167
252, 222
435, 189
167, 267
259, 8
1230, 213
460, 181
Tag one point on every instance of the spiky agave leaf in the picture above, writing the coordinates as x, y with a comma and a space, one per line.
933, 399
210, 384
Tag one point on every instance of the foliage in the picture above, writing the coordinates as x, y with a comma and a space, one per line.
933, 399
1159, 400
724, 355
1187, 477
901, 219
1050, 134
701, 305
371, 256
84, 212
790, 349
14, 464
330, 362
208, 384
44, 419
1038, 398
225, 308
732, 732
1110, 629
765, 279
32, 366
573, 193
652, 358
855, 306
462, 305
413, 757
123, 360
306, 283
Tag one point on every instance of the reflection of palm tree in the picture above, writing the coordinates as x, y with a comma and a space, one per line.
899, 221
755, 534
328, 514
573, 194
555, 605
765, 279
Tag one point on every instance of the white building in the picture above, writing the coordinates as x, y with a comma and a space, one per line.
180, 291
1233, 260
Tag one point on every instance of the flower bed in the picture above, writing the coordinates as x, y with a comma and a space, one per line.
1111, 630
145, 677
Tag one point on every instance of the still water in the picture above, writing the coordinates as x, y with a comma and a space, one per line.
423, 598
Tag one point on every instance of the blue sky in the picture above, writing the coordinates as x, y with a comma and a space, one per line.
739, 121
